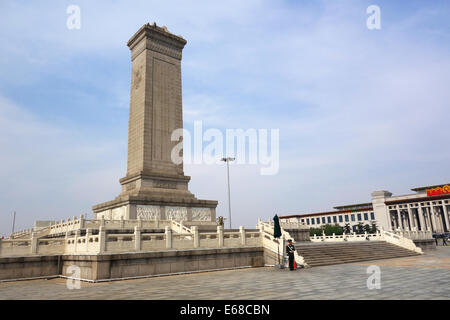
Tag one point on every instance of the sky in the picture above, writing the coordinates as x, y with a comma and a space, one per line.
357, 110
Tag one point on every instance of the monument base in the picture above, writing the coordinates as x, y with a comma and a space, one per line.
156, 197
156, 208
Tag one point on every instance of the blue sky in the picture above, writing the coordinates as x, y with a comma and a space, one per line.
358, 110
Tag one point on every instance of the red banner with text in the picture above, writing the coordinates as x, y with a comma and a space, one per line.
438, 191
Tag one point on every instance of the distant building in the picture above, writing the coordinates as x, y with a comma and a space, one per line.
425, 210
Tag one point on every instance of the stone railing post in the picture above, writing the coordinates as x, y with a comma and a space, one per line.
261, 227
82, 221
168, 238
102, 239
196, 236
140, 222
242, 235
34, 243
88, 235
220, 236
66, 240
137, 238
77, 235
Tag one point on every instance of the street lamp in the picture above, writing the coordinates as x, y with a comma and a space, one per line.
227, 160
14, 222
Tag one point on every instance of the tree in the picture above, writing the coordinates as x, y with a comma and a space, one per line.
347, 229
360, 228
313, 231
373, 228
330, 229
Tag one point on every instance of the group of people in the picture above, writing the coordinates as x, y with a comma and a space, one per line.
444, 238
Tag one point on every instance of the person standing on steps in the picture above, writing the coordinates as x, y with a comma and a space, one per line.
290, 249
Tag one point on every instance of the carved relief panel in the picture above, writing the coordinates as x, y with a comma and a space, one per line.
148, 212
176, 213
201, 214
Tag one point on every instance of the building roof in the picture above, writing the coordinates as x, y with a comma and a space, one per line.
354, 206
429, 187
421, 199
306, 215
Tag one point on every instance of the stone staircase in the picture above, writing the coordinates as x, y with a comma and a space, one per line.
323, 254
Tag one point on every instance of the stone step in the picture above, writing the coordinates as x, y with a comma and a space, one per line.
355, 253
362, 254
329, 254
375, 257
350, 254
332, 262
358, 255
313, 254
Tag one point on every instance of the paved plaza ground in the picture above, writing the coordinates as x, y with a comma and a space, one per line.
419, 277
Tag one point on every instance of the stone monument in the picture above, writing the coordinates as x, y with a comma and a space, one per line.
155, 188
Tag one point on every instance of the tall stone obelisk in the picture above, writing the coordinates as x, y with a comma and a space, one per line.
154, 186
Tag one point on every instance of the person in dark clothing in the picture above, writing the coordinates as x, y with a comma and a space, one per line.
444, 240
290, 249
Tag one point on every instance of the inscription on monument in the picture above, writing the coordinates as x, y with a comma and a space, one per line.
166, 110
165, 184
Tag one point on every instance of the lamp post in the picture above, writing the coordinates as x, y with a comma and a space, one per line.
14, 222
227, 160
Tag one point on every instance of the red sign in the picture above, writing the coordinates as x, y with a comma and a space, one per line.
438, 191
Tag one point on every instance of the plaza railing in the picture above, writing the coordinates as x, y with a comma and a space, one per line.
415, 235
381, 235
106, 240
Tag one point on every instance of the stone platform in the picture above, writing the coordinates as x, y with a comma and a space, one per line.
131, 265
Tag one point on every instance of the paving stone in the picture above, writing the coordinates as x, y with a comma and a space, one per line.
413, 279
